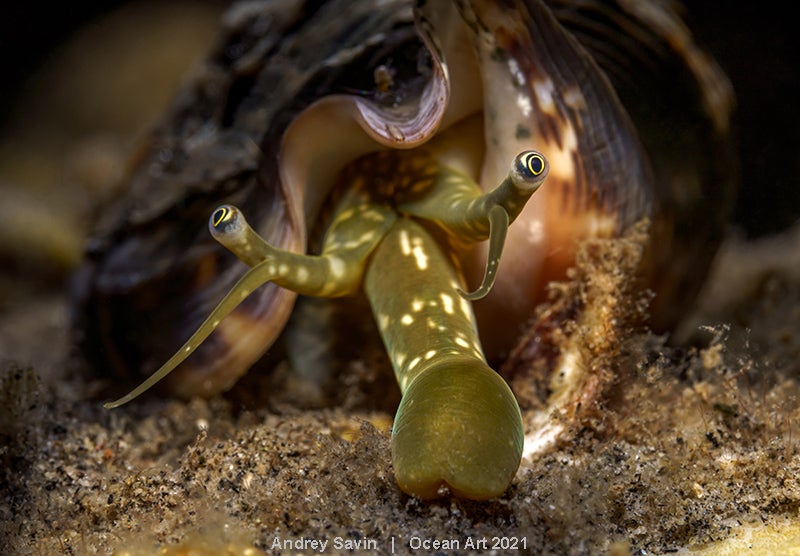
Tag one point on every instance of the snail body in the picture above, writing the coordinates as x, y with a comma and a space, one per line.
439, 97
434, 345
458, 424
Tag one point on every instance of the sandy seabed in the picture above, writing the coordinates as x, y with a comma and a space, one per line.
691, 445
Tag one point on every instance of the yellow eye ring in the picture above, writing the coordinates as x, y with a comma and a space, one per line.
220, 215
534, 162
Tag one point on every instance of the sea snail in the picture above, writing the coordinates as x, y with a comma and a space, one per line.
439, 437
368, 103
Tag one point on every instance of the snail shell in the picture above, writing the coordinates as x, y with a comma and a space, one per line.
153, 273
633, 117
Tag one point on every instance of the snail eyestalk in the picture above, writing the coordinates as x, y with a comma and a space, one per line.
458, 205
355, 231
230, 228
498, 229
527, 173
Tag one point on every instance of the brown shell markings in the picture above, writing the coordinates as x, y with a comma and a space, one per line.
291, 95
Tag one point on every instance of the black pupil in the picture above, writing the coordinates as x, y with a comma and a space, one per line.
535, 164
219, 216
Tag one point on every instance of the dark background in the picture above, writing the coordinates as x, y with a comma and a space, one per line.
756, 44
29, 31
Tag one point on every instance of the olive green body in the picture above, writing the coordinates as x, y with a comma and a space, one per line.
458, 424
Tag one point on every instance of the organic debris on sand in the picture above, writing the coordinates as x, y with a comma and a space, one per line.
688, 444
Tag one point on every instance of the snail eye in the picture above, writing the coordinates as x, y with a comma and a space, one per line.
222, 217
531, 164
